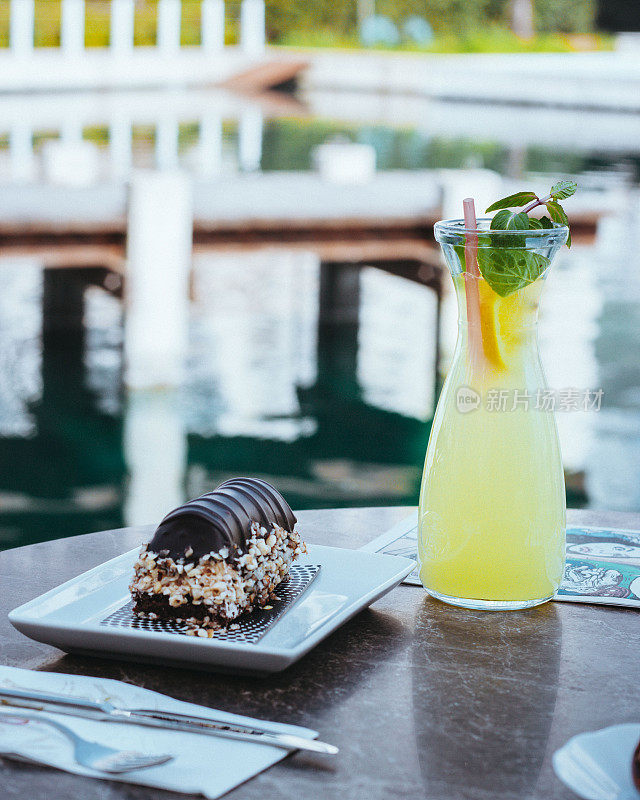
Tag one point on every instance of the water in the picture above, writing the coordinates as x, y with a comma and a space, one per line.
335, 409
288, 143
320, 378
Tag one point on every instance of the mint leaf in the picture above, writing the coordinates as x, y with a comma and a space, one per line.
508, 269
563, 189
510, 220
557, 214
513, 201
538, 224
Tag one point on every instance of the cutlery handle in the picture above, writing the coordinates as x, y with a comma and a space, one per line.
231, 730
298, 743
196, 723
45, 697
52, 723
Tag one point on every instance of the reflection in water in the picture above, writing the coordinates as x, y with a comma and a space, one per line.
568, 326
282, 382
254, 328
65, 472
208, 133
617, 429
484, 694
103, 320
20, 346
155, 448
405, 385
277, 386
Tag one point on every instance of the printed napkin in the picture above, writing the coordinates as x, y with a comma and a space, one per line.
206, 765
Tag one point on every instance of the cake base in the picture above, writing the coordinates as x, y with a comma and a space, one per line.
221, 586
157, 607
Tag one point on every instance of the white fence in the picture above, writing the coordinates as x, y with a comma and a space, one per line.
26, 67
22, 21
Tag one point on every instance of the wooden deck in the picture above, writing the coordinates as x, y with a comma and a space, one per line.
388, 221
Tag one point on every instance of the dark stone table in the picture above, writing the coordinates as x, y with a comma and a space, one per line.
424, 701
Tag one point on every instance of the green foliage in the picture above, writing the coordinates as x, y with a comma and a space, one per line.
565, 16
557, 214
465, 16
507, 266
284, 17
513, 201
539, 224
563, 189
448, 16
467, 20
507, 220
510, 220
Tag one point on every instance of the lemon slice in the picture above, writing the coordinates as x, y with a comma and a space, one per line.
490, 325
502, 320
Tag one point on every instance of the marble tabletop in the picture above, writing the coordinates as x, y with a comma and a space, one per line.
424, 701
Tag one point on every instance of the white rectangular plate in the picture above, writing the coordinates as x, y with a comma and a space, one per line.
70, 617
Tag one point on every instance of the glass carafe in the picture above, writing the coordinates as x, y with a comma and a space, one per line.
492, 502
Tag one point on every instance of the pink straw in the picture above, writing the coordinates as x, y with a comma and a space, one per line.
471, 277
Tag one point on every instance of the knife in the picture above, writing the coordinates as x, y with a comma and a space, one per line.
168, 720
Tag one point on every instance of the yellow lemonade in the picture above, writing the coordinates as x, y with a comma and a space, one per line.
492, 502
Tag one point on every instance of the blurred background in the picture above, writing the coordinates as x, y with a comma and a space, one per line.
216, 244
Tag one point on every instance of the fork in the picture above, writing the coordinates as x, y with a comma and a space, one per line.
97, 756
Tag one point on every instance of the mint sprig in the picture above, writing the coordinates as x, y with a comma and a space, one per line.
508, 265
509, 220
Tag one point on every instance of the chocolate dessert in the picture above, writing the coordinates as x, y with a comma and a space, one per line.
217, 557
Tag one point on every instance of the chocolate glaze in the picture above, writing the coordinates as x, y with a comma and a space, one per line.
221, 518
